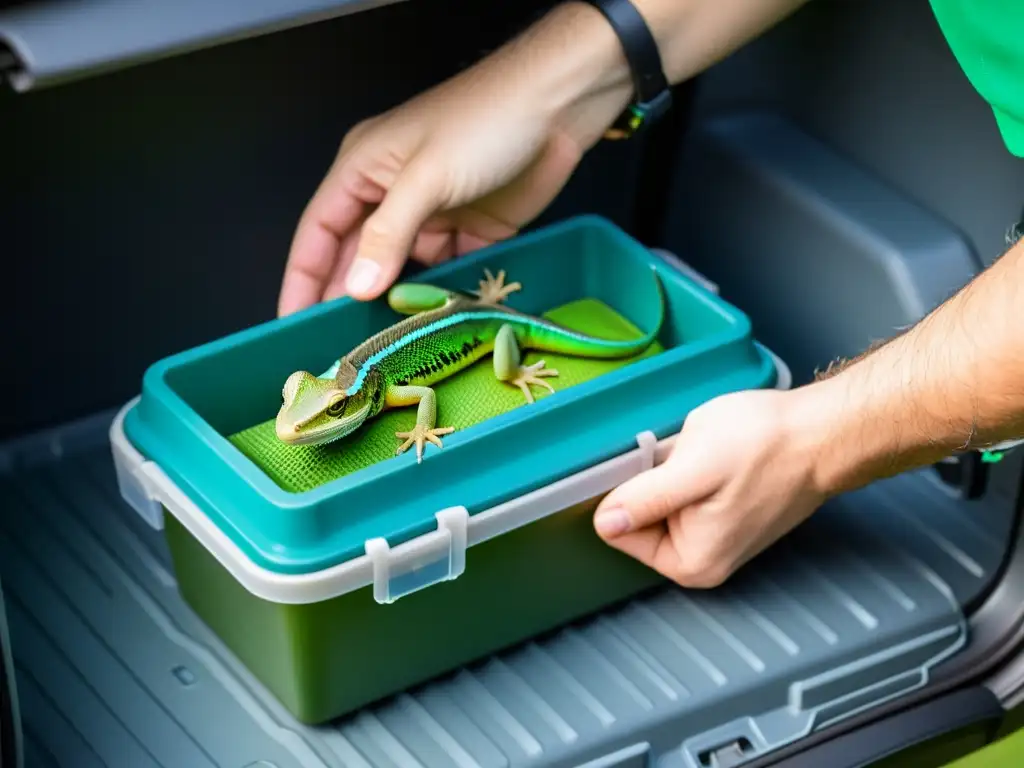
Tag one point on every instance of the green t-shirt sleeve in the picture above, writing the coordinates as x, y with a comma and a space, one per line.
987, 38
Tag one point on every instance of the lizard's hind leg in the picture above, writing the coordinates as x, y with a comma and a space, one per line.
508, 365
426, 415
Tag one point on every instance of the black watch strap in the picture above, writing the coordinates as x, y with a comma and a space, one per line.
652, 95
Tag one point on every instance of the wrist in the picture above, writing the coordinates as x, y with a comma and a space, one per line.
875, 418
575, 70
809, 426
831, 428
582, 81
841, 426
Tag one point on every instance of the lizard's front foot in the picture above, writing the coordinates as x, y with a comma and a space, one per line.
493, 289
531, 374
420, 435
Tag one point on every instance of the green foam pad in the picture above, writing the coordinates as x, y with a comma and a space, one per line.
468, 398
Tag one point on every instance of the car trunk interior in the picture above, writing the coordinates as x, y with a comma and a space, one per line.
836, 179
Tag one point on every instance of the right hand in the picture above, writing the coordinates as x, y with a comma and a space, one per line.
461, 166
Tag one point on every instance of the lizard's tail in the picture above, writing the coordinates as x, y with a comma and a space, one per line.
551, 337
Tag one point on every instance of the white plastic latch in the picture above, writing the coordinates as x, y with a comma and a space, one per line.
647, 441
426, 560
138, 479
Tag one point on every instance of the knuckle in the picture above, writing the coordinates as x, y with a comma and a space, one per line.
660, 504
377, 231
714, 577
702, 570
699, 414
360, 129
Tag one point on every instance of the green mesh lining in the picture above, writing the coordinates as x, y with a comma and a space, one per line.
467, 398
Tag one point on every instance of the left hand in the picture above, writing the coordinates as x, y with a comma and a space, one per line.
740, 475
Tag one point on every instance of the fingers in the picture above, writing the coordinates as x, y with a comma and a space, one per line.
346, 252
466, 242
433, 247
688, 549
388, 235
313, 259
651, 496
651, 546
639, 517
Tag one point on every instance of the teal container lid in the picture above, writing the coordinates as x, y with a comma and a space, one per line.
193, 400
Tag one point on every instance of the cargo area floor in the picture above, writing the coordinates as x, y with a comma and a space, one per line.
114, 670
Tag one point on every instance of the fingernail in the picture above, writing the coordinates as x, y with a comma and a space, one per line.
611, 522
362, 275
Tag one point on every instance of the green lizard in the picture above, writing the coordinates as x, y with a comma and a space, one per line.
447, 332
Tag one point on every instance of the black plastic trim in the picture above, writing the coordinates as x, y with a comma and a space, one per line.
660, 145
864, 747
8, 61
997, 636
964, 473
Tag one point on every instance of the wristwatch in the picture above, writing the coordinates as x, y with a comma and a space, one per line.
652, 97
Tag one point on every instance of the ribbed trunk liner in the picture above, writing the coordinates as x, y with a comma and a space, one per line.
114, 670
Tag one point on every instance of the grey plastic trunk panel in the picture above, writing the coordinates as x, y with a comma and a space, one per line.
855, 241
114, 670
59, 40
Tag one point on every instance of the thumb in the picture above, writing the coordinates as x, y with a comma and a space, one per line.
652, 496
388, 235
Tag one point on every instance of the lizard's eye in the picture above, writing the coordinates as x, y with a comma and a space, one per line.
337, 406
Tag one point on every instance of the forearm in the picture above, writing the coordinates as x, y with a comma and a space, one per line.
954, 381
572, 62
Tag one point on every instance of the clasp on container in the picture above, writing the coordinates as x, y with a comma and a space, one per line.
647, 442
426, 560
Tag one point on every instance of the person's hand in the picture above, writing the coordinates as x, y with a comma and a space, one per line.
474, 159
741, 474
461, 166
439, 176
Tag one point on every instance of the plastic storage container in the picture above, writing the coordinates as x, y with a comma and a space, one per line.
358, 587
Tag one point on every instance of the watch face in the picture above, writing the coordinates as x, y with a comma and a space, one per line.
627, 124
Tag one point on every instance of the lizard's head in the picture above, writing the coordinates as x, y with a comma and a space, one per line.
317, 410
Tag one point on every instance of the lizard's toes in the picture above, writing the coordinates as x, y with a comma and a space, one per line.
532, 374
543, 383
420, 436
403, 447
493, 289
433, 435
